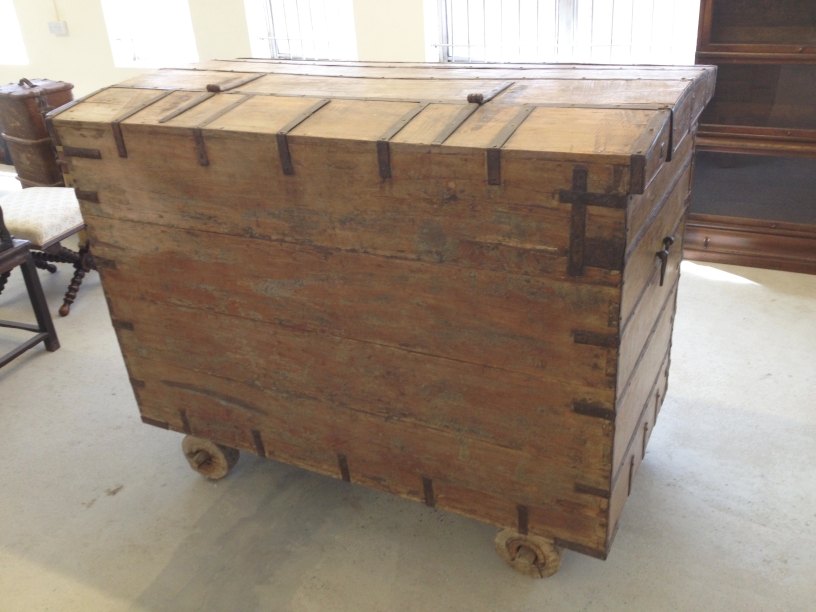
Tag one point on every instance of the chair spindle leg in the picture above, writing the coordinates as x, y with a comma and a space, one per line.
3, 279
83, 264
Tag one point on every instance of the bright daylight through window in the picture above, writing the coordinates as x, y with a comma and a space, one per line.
302, 29
579, 31
150, 33
12, 49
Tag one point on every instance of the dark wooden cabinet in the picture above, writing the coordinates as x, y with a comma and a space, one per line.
756, 164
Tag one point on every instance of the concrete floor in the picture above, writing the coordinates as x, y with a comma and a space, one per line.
100, 512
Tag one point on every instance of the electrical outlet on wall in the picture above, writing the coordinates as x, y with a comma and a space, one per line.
59, 28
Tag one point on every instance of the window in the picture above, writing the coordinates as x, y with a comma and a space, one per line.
150, 33
302, 29
12, 49
578, 31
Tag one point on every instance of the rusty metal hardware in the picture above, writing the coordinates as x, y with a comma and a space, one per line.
664, 257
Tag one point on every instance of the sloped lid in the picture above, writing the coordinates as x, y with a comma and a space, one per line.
631, 115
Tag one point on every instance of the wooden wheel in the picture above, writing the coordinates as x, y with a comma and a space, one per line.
208, 458
531, 555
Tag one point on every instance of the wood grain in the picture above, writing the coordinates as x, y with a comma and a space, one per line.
386, 454
633, 393
482, 317
641, 252
450, 219
634, 453
320, 263
463, 399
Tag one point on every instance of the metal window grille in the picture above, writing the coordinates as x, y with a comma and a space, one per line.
575, 31
308, 29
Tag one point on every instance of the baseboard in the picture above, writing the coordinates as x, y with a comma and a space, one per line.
749, 242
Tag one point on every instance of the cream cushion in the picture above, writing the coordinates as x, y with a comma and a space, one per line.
41, 214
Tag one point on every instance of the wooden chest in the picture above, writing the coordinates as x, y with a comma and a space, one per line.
25, 140
455, 284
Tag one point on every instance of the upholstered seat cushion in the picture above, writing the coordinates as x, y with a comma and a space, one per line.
42, 214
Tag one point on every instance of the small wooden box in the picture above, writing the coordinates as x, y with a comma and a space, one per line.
25, 141
452, 283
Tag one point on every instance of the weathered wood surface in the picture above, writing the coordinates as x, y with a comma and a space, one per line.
450, 217
408, 70
633, 392
635, 450
384, 453
25, 135
483, 317
641, 253
355, 269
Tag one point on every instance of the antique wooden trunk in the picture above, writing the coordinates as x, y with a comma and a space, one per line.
22, 107
455, 284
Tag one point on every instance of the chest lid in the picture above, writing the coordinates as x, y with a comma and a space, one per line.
632, 116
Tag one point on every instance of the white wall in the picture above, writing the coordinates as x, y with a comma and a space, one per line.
84, 56
220, 28
390, 30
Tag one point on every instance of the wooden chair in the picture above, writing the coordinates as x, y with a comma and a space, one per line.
45, 216
15, 253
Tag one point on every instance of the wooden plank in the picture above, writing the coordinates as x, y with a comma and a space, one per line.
450, 90
355, 161
582, 130
638, 324
402, 122
650, 151
128, 112
455, 123
191, 103
633, 395
641, 207
267, 114
456, 71
635, 450
424, 128
352, 119
107, 105
641, 258
608, 92
182, 79
194, 113
383, 151
452, 396
435, 220
236, 102
482, 317
382, 454
172, 102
